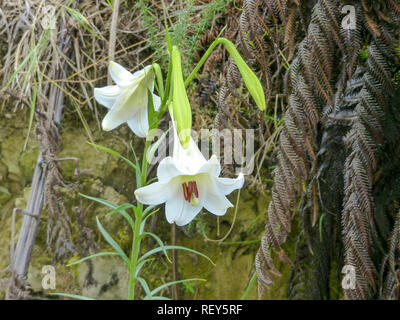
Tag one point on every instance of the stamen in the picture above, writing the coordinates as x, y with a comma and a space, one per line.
196, 192
185, 191
189, 189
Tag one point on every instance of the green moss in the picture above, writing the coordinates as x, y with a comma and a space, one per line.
27, 161
10, 152
5, 195
112, 179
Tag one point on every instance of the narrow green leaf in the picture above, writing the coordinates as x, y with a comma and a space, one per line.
160, 242
114, 153
101, 201
121, 210
148, 209
92, 256
143, 224
113, 206
73, 296
145, 286
153, 292
250, 285
156, 250
151, 111
157, 298
138, 169
159, 77
113, 243
140, 265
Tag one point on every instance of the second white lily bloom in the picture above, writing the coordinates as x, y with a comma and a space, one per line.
187, 182
127, 100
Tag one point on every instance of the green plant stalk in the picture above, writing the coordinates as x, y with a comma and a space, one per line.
136, 241
202, 61
250, 79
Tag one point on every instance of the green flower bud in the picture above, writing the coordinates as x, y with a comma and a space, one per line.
182, 112
250, 79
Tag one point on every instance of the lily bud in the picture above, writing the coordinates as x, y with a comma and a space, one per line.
182, 113
250, 79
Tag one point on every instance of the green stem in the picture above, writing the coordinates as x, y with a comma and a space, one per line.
136, 241
204, 58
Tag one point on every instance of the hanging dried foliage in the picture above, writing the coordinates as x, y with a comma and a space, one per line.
337, 136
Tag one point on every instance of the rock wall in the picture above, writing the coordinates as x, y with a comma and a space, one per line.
112, 179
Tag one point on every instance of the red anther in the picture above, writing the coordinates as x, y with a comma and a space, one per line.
185, 191
196, 192
190, 189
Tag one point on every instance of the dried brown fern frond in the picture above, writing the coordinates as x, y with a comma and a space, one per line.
363, 142
334, 105
296, 151
391, 286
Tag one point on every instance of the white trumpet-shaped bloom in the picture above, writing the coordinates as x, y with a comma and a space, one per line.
127, 100
187, 182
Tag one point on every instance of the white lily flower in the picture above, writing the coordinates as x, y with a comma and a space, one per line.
127, 100
187, 182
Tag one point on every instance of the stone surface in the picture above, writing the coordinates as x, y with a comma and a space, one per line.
112, 179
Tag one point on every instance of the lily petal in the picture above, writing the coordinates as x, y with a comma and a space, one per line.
189, 160
141, 71
227, 185
128, 104
155, 193
139, 124
212, 167
178, 210
211, 199
107, 95
156, 102
167, 170
120, 75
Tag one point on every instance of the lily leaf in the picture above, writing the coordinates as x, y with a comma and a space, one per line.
145, 286
156, 250
140, 265
73, 296
156, 298
153, 292
92, 256
159, 241
113, 206
113, 243
115, 153
121, 209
